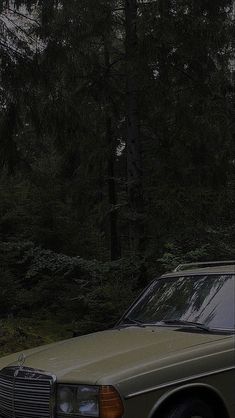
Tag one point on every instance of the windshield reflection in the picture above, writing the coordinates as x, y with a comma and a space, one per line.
207, 299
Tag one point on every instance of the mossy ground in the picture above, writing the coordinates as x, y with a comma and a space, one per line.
20, 334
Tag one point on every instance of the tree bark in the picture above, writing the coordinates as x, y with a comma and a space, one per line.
115, 250
233, 108
133, 140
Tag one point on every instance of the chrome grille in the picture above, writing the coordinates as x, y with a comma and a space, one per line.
26, 393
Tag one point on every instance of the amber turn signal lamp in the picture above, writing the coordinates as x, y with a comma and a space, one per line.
111, 405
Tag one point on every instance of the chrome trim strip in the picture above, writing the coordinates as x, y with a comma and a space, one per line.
176, 382
189, 273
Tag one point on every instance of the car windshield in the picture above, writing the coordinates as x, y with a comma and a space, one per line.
195, 299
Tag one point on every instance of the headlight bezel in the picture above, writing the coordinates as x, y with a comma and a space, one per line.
80, 395
109, 403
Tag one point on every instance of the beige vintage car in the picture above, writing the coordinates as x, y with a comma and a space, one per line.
170, 356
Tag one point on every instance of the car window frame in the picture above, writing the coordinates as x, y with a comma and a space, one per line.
170, 276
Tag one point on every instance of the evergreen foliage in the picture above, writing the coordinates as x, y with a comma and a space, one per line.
116, 145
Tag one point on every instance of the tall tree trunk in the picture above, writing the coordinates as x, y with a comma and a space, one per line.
233, 111
115, 251
134, 158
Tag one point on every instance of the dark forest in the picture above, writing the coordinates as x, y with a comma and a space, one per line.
117, 155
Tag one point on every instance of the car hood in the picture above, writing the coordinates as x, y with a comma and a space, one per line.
111, 355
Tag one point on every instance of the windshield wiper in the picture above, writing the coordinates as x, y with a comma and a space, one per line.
129, 321
180, 322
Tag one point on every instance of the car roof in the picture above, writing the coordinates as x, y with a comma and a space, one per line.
216, 269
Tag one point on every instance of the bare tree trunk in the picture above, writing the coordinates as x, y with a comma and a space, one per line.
134, 159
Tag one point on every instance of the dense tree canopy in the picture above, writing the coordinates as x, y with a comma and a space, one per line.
116, 145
